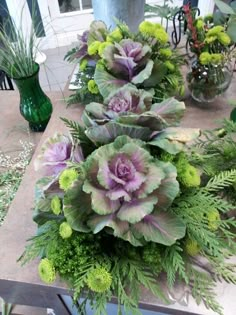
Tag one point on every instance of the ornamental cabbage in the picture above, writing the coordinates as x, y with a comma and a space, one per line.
129, 195
55, 154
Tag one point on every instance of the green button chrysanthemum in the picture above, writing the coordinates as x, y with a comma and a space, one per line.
205, 58
166, 52
102, 47
189, 176
46, 271
93, 48
65, 230
92, 87
83, 64
99, 280
67, 178
114, 36
147, 28
56, 205
192, 247
224, 38
161, 36
213, 217
199, 24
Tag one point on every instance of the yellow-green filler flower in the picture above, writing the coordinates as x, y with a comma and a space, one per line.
192, 247
67, 178
65, 230
99, 280
56, 205
92, 87
46, 271
83, 64
94, 47
213, 217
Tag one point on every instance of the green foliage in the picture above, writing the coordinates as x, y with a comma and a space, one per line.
202, 289
78, 134
82, 94
19, 47
174, 264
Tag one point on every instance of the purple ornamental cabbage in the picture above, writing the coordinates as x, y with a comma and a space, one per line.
129, 111
97, 31
124, 101
56, 151
130, 193
125, 62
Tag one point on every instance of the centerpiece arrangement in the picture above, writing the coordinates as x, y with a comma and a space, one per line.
110, 59
130, 200
214, 51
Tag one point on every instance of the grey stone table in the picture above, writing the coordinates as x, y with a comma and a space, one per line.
21, 285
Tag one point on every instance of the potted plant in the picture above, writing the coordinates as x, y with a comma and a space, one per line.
112, 59
17, 60
211, 71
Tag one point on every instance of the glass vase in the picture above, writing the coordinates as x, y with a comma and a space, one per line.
35, 106
207, 82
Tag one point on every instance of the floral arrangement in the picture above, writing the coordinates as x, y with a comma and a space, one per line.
214, 50
128, 197
111, 59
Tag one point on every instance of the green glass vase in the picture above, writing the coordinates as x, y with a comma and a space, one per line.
35, 106
233, 115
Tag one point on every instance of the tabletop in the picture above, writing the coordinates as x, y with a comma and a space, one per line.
18, 225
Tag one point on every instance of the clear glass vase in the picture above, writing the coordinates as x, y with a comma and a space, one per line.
35, 106
207, 82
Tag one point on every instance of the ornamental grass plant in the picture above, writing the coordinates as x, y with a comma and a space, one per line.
19, 47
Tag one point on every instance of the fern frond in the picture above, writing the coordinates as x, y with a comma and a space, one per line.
202, 288
78, 134
221, 181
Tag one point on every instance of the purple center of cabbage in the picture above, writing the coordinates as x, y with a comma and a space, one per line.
119, 105
59, 151
123, 168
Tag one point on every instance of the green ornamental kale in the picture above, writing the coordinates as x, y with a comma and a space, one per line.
127, 192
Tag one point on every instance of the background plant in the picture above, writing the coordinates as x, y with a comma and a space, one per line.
12, 170
18, 47
166, 11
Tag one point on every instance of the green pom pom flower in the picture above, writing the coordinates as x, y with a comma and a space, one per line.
205, 58
189, 176
94, 47
56, 205
46, 271
215, 30
165, 52
199, 24
92, 87
216, 58
161, 35
67, 178
213, 217
99, 280
65, 230
210, 39
147, 28
114, 36
102, 48
224, 39
83, 64
192, 247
